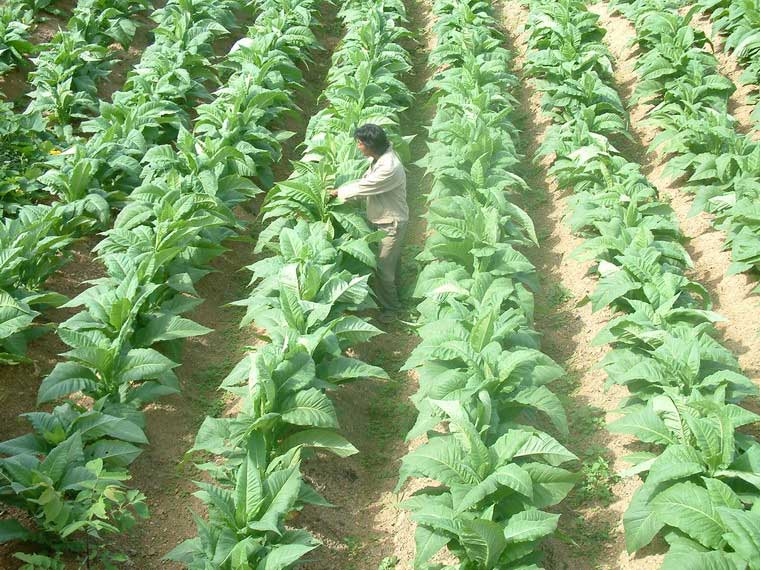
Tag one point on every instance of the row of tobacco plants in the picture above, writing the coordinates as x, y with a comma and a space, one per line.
67, 476
697, 459
680, 78
70, 66
64, 82
96, 175
302, 303
739, 22
17, 19
483, 381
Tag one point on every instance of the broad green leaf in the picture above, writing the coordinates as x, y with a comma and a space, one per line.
743, 534
321, 438
688, 507
309, 408
484, 541
530, 525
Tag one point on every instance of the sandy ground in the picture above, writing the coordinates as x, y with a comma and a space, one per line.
732, 295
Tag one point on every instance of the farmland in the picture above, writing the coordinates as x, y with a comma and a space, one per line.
191, 371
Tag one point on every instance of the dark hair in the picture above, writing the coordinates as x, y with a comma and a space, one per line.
373, 137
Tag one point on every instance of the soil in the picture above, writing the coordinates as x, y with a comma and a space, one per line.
731, 294
367, 526
591, 533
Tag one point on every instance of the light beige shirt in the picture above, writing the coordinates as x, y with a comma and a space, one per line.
384, 186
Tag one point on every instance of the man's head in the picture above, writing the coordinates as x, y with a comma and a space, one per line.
371, 140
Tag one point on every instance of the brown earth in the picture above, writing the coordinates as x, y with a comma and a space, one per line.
591, 533
731, 294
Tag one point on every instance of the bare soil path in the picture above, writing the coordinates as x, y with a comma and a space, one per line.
367, 527
591, 532
731, 294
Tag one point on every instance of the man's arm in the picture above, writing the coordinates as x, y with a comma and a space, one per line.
376, 182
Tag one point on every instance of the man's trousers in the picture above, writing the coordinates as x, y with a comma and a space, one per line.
388, 262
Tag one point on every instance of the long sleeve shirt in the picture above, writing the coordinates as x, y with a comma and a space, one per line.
384, 187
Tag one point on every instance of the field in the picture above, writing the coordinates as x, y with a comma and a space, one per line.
191, 370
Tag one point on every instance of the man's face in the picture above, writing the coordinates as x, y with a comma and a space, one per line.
363, 148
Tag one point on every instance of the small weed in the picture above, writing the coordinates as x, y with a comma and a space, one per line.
586, 420
354, 545
389, 421
597, 482
557, 294
568, 384
388, 563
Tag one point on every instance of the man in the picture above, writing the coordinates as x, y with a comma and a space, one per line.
384, 187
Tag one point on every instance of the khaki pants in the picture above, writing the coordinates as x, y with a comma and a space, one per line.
388, 261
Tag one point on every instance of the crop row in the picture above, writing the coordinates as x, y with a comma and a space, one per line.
482, 375
16, 23
739, 22
69, 67
98, 174
700, 469
302, 299
67, 475
690, 97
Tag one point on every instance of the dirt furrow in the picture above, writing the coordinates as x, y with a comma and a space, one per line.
367, 529
731, 294
591, 531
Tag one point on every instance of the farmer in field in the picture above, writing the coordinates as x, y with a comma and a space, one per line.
384, 187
